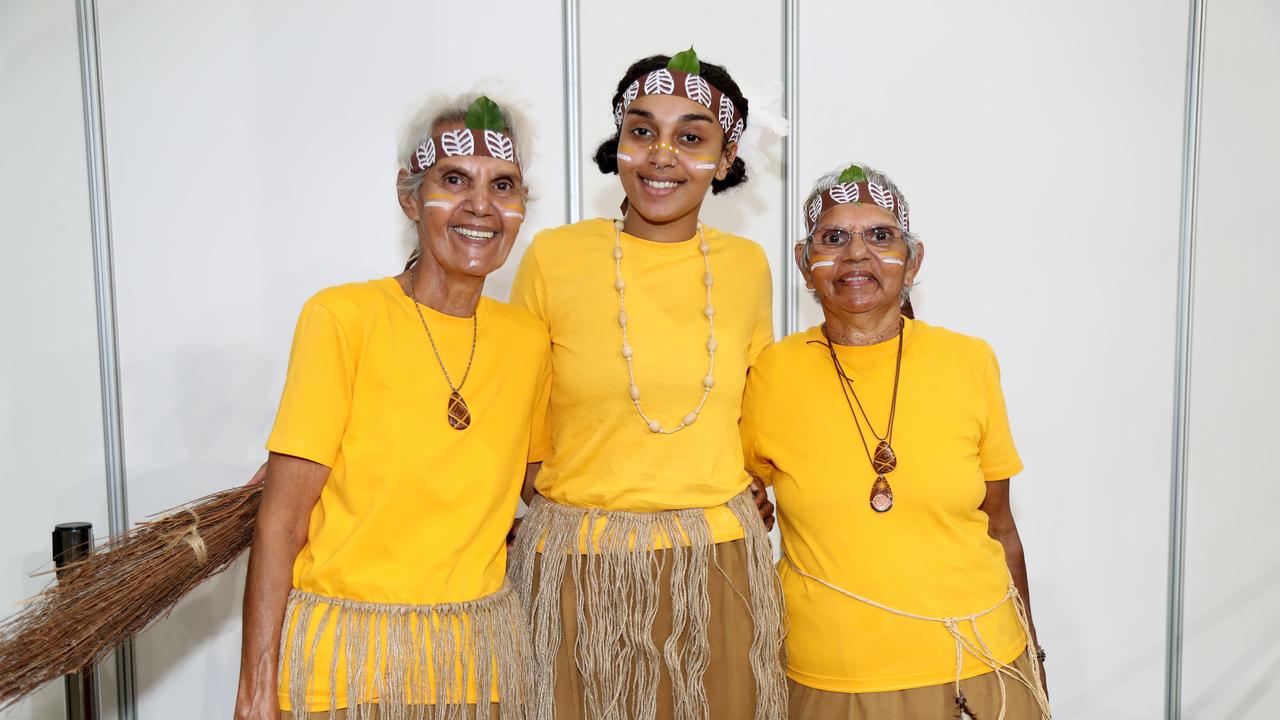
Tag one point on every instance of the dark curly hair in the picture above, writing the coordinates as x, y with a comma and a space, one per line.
606, 156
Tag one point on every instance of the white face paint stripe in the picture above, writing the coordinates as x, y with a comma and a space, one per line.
822, 263
624, 157
437, 204
705, 166
892, 260
512, 214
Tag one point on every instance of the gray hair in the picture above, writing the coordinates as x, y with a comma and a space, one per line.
443, 110
831, 179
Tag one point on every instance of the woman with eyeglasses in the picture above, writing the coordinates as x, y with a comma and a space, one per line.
888, 445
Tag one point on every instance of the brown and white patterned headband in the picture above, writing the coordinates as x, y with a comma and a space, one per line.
669, 81
484, 134
480, 143
856, 188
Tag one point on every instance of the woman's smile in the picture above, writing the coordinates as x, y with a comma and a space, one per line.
474, 233
659, 186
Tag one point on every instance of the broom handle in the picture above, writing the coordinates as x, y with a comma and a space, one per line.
72, 542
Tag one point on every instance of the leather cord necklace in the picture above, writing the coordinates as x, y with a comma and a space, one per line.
884, 460
459, 414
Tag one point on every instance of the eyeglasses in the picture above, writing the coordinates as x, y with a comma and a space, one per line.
875, 238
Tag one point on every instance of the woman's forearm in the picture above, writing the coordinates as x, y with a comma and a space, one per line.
527, 490
1013, 555
1004, 530
292, 487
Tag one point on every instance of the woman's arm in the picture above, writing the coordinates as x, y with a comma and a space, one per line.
292, 488
526, 494
530, 473
1004, 530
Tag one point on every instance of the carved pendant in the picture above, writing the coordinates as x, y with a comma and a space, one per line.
459, 413
881, 495
884, 461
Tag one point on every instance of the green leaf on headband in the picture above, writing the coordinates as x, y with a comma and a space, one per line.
685, 61
484, 114
853, 173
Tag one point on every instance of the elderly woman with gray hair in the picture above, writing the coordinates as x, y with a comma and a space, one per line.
888, 445
376, 578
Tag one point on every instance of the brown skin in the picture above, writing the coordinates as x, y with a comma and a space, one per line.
475, 193
654, 128
860, 300
292, 488
860, 293
1002, 528
452, 268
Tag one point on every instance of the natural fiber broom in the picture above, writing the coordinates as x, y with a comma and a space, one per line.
115, 593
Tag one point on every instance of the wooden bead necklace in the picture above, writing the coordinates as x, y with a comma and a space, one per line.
627, 352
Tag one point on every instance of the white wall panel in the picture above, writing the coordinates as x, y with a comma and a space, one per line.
1231, 657
253, 163
746, 38
252, 150
51, 457
1039, 146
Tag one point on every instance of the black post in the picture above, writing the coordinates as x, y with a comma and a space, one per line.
71, 542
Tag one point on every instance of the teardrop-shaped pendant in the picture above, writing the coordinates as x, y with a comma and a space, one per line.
881, 495
884, 461
459, 413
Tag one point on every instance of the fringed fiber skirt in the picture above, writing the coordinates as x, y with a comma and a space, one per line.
353, 660
630, 631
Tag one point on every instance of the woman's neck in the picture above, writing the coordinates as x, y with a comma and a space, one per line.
448, 293
869, 328
678, 230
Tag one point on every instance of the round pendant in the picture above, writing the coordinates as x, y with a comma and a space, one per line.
881, 495
884, 460
459, 413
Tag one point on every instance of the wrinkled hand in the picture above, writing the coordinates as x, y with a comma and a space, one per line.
762, 503
259, 476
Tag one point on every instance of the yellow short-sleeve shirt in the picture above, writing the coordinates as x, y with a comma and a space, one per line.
930, 554
602, 454
413, 511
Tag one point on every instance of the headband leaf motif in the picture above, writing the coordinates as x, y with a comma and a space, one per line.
682, 78
852, 187
484, 134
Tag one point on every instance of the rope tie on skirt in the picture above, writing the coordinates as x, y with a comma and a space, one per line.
977, 648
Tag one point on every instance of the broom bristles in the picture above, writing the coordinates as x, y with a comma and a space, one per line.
116, 592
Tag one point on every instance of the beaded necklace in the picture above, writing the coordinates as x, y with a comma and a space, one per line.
627, 351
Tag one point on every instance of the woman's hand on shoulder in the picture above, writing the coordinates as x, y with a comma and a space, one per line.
761, 497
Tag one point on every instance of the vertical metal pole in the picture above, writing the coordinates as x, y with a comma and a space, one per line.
71, 542
572, 97
790, 163
1182, 362
104, 282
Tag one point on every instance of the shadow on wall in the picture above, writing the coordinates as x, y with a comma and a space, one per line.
1247, 667
214, 407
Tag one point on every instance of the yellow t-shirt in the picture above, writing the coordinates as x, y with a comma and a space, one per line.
930, 554
602, 454
414, 511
